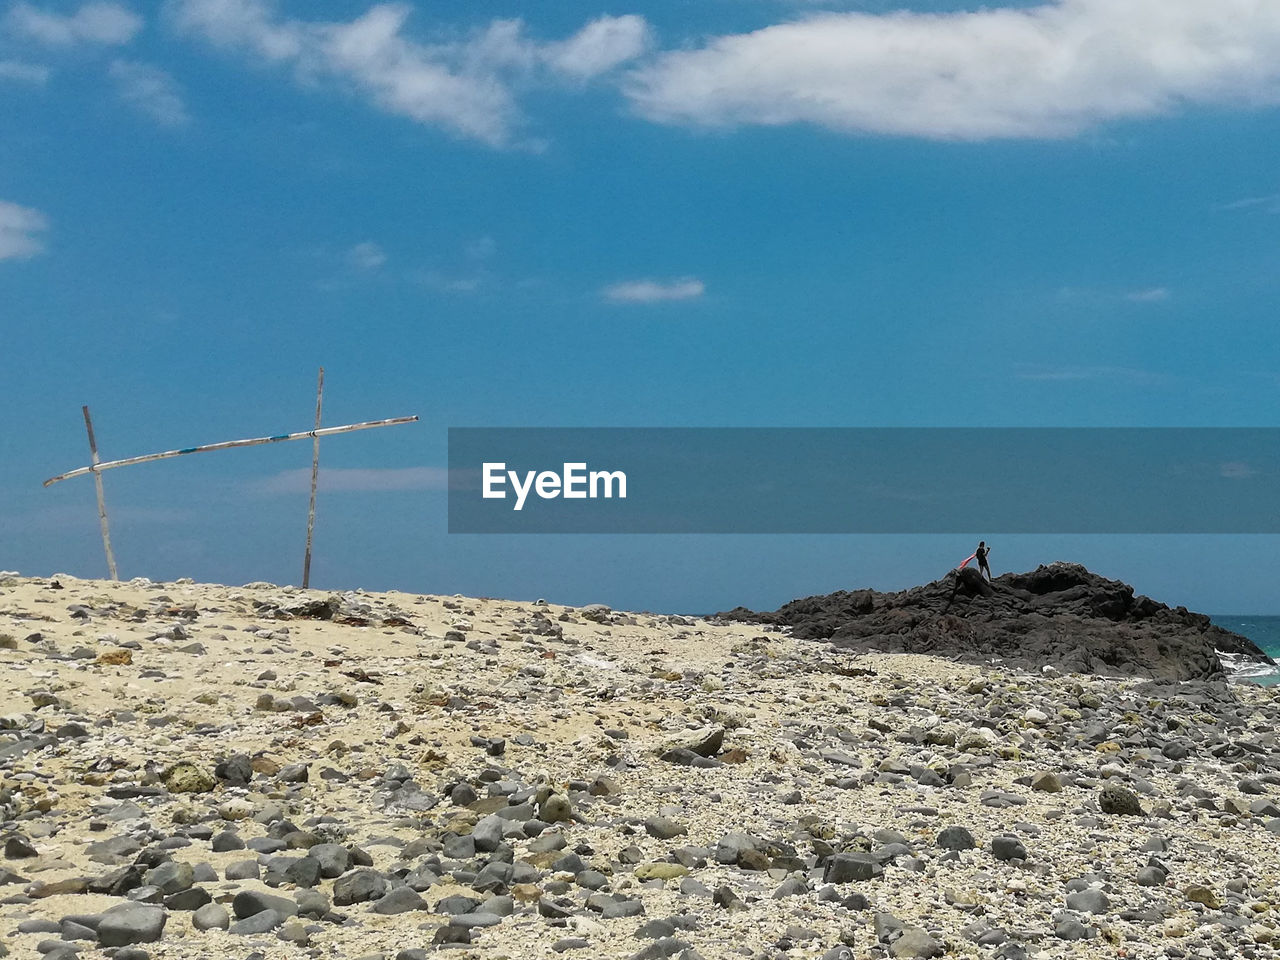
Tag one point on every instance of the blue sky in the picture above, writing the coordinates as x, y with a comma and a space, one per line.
647, 214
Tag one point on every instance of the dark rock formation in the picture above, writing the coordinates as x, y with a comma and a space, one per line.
1060, 614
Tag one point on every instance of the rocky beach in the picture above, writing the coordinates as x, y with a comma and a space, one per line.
1046, 767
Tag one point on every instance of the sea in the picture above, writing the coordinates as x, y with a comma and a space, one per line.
1265, 632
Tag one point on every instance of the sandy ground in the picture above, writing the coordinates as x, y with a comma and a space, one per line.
163, 673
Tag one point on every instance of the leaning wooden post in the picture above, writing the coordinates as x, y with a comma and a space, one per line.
102, 501
315, 472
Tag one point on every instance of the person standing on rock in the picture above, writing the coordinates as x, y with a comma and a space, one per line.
981, 556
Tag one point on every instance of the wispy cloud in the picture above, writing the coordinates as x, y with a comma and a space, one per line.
464, 86
1052, 70
449, 282
1107, 297
1069, 374
150, 91
108, 24
350, 480
654, 291
1236, 470
481, 248
19, 72
1270, 203
1148, 295
21, 231
366, 256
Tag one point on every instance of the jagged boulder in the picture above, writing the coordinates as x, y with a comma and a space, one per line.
1059, 614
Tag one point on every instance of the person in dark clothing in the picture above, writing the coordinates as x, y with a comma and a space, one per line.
981, 555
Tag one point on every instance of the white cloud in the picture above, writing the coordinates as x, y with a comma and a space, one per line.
16, 70
463, 86
149, 90
366, 256
346, 480
1047, 71
1149, 295
653, 291
599, 47
109, 24
20, 230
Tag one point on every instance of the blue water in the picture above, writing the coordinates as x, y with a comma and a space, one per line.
1264, 631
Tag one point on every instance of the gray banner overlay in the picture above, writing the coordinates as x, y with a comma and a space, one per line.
864, 480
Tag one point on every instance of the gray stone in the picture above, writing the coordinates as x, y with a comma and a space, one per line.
334, 859
703, 742
956, 838
661, 949
1088, 901
731, 847
128, 923
851, 868
664, 828
248, 903
1046, 782
555, 809
295, 932
550, 908
113, 850
399, 900
1071, 929
236, 770
242, 870
1117, 801
1151, 877
212, 916
914, 943
358, 886
477, 919
227, 840
312, 904
656, 929
793, 886
591, 879
1008, 848
886, 925
18, 847
262, 922
726, 898
487, 833
451, 933
304, 872
459, 848
70, 930
190, 899
170, 877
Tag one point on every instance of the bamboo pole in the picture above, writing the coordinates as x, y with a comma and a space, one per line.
315, 471
228, 445
102, 500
